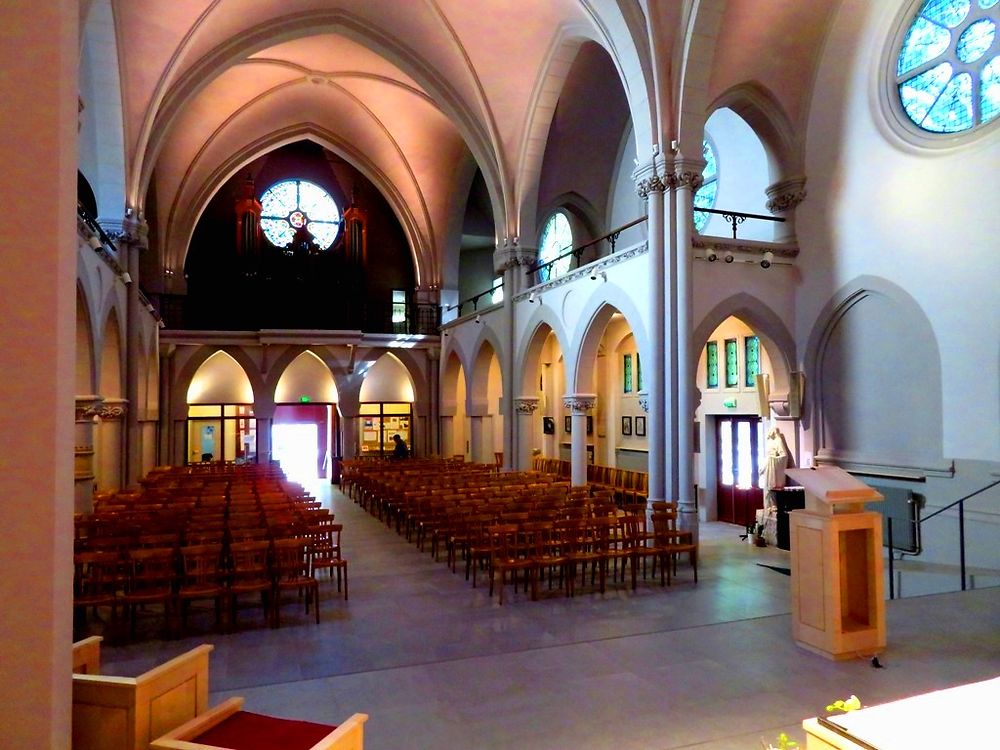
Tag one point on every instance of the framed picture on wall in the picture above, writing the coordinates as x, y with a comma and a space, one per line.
627, 426
590, 425
567, 425
548, 426
640, 427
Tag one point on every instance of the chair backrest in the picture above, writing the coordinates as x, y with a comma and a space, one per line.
250, 559
200, 563
154, 567
290, 558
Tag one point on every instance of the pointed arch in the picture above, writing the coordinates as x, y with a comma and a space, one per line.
86, 374
306, 376
540, 325
179, 389
220, 379
111, 367
487, 353
701, 37
388, 379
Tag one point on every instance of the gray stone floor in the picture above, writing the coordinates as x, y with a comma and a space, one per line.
437, 664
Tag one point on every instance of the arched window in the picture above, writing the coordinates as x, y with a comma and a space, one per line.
948, 67
557, 238
291, 205
706, 194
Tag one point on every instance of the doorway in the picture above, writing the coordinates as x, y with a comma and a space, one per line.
295, 447
739, 441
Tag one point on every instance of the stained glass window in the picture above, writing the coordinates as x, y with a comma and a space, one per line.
398, 305
712, 364
948, 68
627, 373
298, 204
706, 194
496, 296
638, 372
732, 364
557, 238
751, 356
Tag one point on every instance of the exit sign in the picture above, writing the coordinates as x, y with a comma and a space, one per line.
304, 399
729, 403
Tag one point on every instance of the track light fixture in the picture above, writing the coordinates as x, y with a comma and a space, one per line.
710, 255
766, 261
728, 257
478, 318
126, 279
95, 241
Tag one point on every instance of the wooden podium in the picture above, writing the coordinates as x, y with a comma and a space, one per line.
838, 607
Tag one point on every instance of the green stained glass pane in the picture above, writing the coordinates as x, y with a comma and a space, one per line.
919, 93
751, 346
712, 364
948, 13
638, 372
924, 41
976, 40
557, 238
989, 98
704, 198
711, 166
952, 111
985, 4
627, 373
732, 364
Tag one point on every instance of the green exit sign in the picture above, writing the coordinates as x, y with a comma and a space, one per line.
729, 403
306, 399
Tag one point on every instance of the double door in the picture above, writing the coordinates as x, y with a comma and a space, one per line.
739, 442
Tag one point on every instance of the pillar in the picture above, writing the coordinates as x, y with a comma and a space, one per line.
476, 439
782, 198
84, 471
349, 428
448, 447
135, 232
687, 180
525, 408
38, 123
579, 406
650, 186
110, 443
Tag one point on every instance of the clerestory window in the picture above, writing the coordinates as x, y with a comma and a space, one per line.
709, 190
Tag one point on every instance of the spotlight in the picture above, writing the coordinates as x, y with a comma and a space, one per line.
728, 257
531, 297
150, 308
710, 255
126, 279
478, 318
95, 241
766, 262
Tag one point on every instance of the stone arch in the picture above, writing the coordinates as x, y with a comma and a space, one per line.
111, 367
179, 388
700, 42
486, 347
762, 111
604, 301
86, 374
581, 211
541, 323
403, 362
774, 335
300, 375
861, 412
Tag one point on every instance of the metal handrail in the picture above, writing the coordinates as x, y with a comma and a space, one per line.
611, 237
961, 534
735, 218
474, 299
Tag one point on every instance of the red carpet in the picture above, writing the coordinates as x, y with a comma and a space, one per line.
248, 731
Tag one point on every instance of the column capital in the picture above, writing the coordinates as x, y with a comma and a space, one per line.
579, 403
510, 253
135, 230
526, 404
651, 177
785, 195
688, 173
88, 407
113, 409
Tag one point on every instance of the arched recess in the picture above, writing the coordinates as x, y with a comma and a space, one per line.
177, 91
486, 348
454, 436
85, 373
387, 379
187, 373
541, 364
769, 327
183, 220
542, 324
111, 384
220, 418
875, 367
306, 379
220, 380
483, 400
761, 110
102, 132
603, 303
305, 418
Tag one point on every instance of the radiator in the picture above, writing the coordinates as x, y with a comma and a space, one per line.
902, 505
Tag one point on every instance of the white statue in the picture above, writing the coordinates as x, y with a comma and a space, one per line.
775, 462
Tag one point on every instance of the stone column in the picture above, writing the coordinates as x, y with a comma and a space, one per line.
525, 407
432, 444
687, 180
349, 429
263, 412
651, 186
579, 406
87, 407
111, 443
782, 198
476, 439
133, 240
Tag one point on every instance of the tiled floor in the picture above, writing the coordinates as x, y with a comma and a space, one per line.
437, 664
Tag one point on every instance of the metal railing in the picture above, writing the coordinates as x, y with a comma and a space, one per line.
961, 535
577, 252
735, 218
474, 299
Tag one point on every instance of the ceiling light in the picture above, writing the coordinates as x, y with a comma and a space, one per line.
728, 257
768, 258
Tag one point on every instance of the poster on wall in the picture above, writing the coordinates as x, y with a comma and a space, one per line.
627, 426
640, 427
548, 426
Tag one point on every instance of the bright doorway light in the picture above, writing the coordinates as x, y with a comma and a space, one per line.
295, 446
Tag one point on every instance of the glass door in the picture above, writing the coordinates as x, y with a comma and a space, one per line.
740, 441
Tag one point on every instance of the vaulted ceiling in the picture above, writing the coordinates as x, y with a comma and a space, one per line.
419, 93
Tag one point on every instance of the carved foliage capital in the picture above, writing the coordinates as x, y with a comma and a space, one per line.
644, 402
652, 184
526, 404
785, 195
87, 407
579, 403
112, 410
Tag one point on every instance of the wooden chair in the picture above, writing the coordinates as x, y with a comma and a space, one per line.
96, 581
250, 574
508, 554
152, 575
201, 578
291, 572
326, 553
227, 723
674, 542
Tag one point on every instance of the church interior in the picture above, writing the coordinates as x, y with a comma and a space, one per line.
686, 255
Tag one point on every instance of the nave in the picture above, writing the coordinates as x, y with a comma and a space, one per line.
436, 663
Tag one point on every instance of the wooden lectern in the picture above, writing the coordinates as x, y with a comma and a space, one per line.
838, 608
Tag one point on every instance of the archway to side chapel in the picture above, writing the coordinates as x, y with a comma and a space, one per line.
454, 440
386, 407
483, 406
305, 430
541, 424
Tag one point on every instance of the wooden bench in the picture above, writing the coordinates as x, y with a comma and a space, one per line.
127, 713
347, 736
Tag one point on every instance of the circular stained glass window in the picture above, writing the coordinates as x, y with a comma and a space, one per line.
298, 204
557, 238
706, 194
948, 66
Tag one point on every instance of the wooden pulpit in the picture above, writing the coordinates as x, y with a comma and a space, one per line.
838, 606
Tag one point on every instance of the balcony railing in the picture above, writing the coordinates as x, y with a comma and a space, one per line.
542, 272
